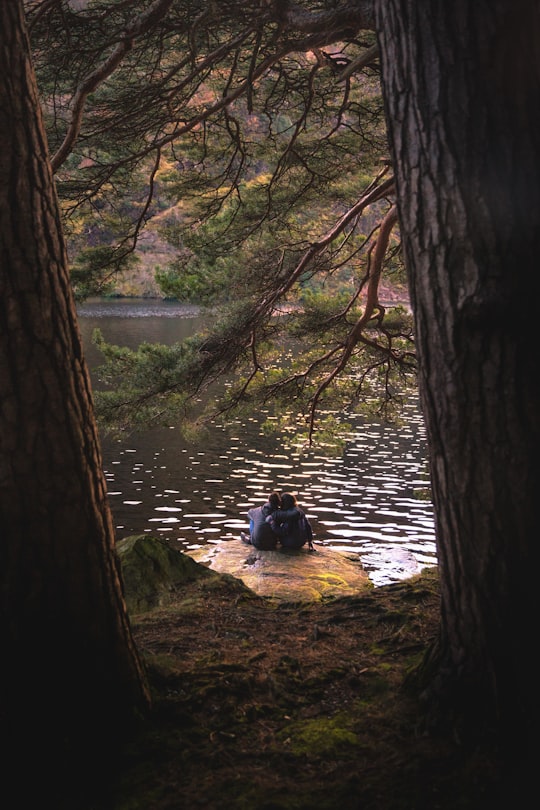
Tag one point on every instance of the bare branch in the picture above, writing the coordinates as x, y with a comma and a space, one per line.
142, 24
363, 60
334, 24
372, 301
374, 193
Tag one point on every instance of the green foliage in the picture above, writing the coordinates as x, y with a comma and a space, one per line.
94, 268
195, 281
143, 386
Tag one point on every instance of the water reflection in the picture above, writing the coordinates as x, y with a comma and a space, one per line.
364, 501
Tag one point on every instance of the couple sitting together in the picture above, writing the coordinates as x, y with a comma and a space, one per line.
278, 520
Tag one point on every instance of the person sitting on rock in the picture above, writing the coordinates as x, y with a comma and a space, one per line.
261, 534
291, 524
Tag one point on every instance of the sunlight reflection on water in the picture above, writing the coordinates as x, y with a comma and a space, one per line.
363, 502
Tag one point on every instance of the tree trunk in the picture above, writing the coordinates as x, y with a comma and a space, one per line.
462, 90
69, 665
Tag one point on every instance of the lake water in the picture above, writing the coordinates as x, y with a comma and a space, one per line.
364, 501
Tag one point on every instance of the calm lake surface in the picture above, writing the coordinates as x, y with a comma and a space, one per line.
364, 501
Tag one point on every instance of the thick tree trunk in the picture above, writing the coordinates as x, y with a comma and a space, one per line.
462, 89
69, 665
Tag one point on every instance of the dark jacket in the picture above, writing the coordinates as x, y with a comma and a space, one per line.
292, 527
262, 535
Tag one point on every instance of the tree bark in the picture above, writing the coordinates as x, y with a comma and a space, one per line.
70, 669
462, 88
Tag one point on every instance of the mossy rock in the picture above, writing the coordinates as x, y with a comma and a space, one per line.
153, 572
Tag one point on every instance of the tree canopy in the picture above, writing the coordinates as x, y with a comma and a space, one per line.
256, 133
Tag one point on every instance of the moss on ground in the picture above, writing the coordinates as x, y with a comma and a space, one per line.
259, 706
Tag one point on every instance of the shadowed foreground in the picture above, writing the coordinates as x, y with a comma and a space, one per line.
292, 705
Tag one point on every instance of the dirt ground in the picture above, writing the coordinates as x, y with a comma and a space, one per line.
293, 707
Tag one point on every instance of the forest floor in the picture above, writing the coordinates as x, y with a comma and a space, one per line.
259, 706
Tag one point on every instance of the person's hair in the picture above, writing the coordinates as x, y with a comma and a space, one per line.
274, 499
288, 501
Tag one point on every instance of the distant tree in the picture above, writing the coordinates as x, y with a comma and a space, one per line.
71, 681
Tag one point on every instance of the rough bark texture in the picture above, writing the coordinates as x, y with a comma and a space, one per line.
462, 87
68, 656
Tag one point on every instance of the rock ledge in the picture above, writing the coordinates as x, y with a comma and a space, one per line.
287, 575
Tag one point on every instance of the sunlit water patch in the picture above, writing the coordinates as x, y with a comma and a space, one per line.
365, 501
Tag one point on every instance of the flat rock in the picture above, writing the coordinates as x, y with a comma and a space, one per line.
286, 574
